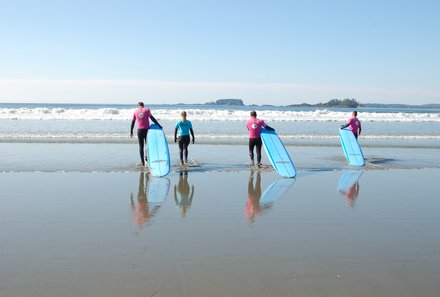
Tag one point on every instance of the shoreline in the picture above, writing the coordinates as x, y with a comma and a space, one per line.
302, 142
88, 157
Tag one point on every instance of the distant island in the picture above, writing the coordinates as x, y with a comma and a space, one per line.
333, 103
353, 103
232, 102
345, 103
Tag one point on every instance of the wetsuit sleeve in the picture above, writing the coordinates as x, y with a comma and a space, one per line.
344, 126
132, 123
360, 128
155, 121
192, 133
132, 126
175, 134
269, 128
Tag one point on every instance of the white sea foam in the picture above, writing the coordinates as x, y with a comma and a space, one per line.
121, 136
213, 114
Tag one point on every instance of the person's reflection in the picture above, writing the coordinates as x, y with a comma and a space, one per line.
349, 186
351, 194
142, 210
253, 207
183, 193
259, 203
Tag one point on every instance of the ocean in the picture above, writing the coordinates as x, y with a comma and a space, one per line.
35, 135
217, 124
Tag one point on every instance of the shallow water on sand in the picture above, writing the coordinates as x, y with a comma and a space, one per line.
325, 233
88, 157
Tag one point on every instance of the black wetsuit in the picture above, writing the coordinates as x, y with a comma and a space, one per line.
255, 142
183, 142
142, 137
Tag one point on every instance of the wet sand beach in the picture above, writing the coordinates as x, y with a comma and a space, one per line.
195, 233
105, 157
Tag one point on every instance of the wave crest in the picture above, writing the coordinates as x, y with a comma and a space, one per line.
196, 114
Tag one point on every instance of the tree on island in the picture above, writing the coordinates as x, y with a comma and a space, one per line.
345, 103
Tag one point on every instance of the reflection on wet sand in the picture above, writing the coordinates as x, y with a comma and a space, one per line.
151, 193
183, 193
348, 185
257, 203
253, 207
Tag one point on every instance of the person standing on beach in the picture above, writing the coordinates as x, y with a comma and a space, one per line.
142, 115
181, 136
254, 126
354, 124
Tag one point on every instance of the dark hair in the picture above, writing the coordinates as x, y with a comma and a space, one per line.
355, 113
253, 113
141, 104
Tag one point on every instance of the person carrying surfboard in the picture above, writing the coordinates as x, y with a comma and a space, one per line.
181, 136
354, 124
254, 126
142, 115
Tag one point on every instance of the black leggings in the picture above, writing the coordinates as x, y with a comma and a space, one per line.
252, 143
183, 142
142, 137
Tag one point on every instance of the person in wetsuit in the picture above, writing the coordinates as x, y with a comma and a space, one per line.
181, 135
142, 115
254, 126
354, 124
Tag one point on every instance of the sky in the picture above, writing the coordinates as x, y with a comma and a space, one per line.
264, 52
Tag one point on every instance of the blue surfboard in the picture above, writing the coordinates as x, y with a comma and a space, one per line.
277, 153
157, 190
158, 152
348, 179
351, 148
276, 190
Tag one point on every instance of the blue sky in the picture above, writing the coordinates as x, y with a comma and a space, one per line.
265, 52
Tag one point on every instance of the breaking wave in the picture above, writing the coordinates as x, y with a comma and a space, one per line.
206, 114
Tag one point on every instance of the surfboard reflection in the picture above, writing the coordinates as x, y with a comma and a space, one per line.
348, 185
151, 194
260, 203
183, 193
